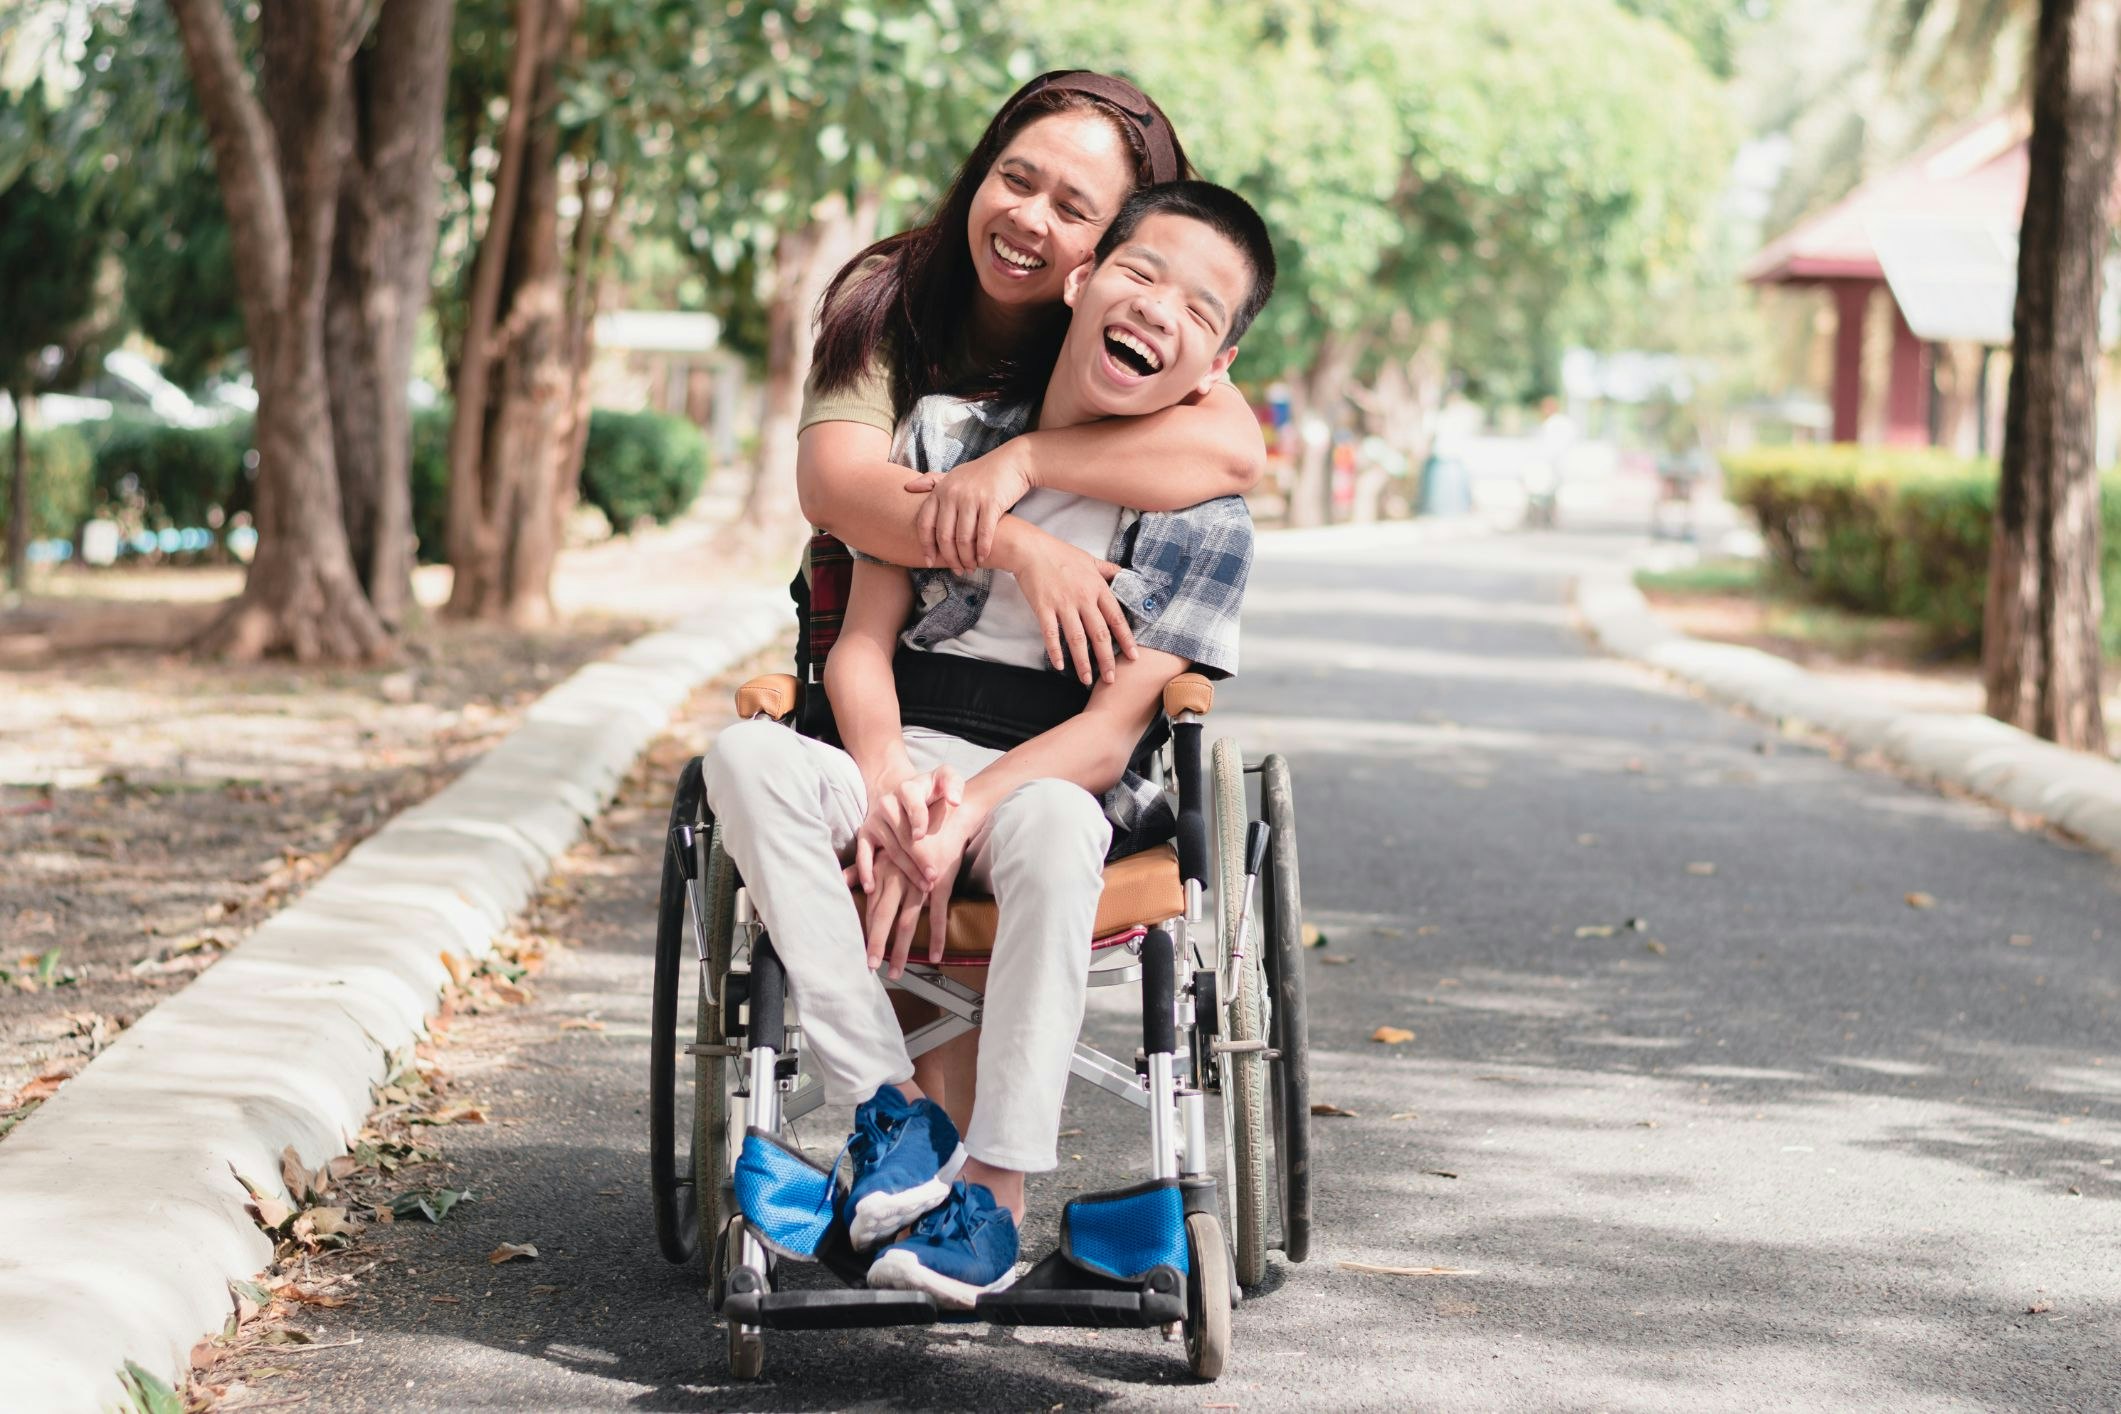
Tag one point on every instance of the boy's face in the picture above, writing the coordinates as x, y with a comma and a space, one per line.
1149, 322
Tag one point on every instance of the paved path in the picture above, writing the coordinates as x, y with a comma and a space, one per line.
1796, 1143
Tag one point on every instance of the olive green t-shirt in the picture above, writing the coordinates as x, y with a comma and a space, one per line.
867, 399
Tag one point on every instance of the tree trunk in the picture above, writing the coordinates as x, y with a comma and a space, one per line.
278, 167
382, 260
515, 376
2040, 644
1324, 389
18, 498
804, 261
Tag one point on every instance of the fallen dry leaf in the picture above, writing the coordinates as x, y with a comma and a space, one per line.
43, 1087
293, 1174
1918, 899
2021, 940
1596, 930
1373, 1269
462, 1112
2038, 1308
459, 968
1654, 946
513, 1252
1313, 938
1439, 1173
1392, 1035
543, 1290
581, 1023
316, 1296
1701, 867
1404, 1114
1332, 1111
1336, 960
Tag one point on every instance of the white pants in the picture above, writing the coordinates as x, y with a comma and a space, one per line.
790, 808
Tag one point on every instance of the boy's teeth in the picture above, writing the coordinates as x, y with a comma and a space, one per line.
1016, 258
1148, 355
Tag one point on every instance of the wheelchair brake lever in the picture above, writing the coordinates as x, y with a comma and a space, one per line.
1255, 857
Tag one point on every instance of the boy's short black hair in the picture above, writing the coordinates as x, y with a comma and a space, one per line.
1223, 211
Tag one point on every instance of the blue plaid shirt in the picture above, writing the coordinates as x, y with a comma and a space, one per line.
1182, 578
1182, 573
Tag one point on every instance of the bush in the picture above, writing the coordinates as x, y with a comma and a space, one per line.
637, 464
59, 489
1895, 532
642, 464
170, 475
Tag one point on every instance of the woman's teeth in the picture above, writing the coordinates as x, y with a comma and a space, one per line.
1020, 259
1136, 347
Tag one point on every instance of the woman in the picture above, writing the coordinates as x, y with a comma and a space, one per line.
970, 299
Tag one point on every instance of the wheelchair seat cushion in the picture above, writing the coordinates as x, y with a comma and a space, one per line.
1141, 889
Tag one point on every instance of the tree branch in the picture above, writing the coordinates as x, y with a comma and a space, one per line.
244, 159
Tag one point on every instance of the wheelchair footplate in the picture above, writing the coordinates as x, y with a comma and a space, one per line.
1123, 1261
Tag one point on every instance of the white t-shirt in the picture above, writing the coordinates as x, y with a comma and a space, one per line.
1007, 631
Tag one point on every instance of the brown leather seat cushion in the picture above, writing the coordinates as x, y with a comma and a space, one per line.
1142, 888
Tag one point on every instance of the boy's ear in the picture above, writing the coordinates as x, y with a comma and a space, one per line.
1216, 369
1072, 284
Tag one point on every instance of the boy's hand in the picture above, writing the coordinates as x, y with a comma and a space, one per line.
956, 523
901, 815
901, 893
1070, 594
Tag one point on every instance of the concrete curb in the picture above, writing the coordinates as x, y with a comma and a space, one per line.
121, 1224
2080, 793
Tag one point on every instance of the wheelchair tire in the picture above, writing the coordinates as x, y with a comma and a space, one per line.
1289, 1089
1207, 1296
671, 1188
1244, 1073
713, 1154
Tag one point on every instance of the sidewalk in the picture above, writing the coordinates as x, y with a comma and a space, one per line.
125, 1223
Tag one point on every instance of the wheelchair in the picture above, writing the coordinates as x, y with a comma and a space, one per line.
1222, 1004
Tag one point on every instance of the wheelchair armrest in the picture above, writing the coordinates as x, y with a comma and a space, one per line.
1188, 692
771, 693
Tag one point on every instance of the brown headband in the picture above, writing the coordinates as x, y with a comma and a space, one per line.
1155, 132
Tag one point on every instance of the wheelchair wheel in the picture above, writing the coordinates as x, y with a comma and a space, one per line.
1289, 1090
1244, 1073
1207, 1297
713, 1144
672, 1190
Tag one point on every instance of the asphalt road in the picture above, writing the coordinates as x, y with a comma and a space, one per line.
1794, 1143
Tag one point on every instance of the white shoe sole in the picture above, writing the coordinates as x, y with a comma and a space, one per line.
880, 1217
900, 1270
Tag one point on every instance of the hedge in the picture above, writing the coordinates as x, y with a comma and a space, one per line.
59, 488
638, 464
1899, 532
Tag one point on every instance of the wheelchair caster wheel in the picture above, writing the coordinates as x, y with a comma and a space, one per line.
747, 1352
1207, 1296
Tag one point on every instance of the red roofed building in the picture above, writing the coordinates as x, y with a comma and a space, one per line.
1938, 235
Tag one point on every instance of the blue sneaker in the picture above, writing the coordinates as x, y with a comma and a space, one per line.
906, 1153
957, 1253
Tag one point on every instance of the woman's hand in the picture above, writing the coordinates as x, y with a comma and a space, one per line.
956, 523
1070, 594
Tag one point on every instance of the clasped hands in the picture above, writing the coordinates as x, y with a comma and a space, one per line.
907, 854
1069, 591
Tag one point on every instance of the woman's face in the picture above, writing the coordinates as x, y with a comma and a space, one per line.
1043, 205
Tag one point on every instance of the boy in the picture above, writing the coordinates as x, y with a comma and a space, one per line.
1022, 786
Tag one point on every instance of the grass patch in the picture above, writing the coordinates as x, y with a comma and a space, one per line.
1727, 576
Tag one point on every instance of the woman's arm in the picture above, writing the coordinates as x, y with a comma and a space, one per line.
1164, 461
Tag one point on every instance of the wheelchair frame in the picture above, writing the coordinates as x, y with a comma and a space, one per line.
1235, 1015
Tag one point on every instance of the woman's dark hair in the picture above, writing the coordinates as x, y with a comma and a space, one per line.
915, 302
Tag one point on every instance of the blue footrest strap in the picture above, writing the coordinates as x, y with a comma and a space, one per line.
1127, 1233
790, 1202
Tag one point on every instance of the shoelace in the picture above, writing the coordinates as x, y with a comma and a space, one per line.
867, 1141
952, 1221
